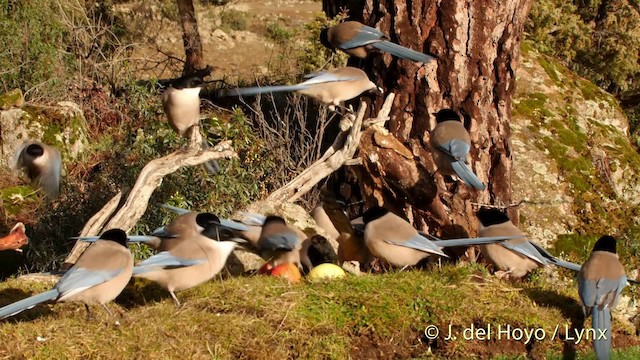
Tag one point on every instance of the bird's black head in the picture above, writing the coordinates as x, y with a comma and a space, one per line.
491, 216
324, 38
446, 115
207, 220
605, 243
210, 225
115, 235
374, 213
188, 82
272, 219
35, 150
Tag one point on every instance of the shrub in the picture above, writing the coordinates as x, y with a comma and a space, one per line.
231, 19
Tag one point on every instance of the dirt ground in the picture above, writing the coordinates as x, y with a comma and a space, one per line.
233, 53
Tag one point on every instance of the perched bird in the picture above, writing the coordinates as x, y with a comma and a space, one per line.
193, 260
181, 103
328, 87
395, 241
15, 240
42, 164
99, 275
450, 144
600, 282
517, 256
359, 40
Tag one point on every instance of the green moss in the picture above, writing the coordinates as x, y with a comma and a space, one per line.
550, 69
11, 98
16, 199
532, 104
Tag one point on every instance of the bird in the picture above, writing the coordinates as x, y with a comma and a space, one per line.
278, 243
16, 238
600, 282
359, 40
517, 256
187, 223
395, 241
99, 276
450, 144
42, 164
329, 216
193, 260
251, 229
181, 104
327, 87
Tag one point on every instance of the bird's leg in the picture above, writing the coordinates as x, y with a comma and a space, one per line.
501, 274
104, 306
86, 306
175, 299
108, 311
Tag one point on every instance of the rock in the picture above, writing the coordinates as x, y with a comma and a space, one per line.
13, 98
63, 126
219, 34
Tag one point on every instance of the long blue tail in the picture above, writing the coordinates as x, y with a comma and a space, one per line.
402, 52
260, 90
602, 320
27, 303
463, 171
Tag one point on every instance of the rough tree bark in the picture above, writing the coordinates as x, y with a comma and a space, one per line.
478, 46
190, 37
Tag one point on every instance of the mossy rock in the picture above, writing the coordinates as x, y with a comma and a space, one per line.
11, 99
63, 126
573, 161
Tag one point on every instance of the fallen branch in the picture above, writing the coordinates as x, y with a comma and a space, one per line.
149, 179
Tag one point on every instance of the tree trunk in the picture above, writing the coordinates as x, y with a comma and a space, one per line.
477, 44
190, 37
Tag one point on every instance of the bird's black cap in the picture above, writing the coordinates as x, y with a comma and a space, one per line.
374, 213
273, 219
205, 220
491, 216
35, 150
446, 115
115, 235
188, 82
605, 243
210, 225
324, 38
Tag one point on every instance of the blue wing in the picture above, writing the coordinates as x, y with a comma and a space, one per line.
421, 243
366, 35
456, 148
78, 279
473, 241
164, 260
285, 241
526, 249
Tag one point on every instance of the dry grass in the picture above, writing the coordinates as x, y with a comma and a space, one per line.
257, 317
